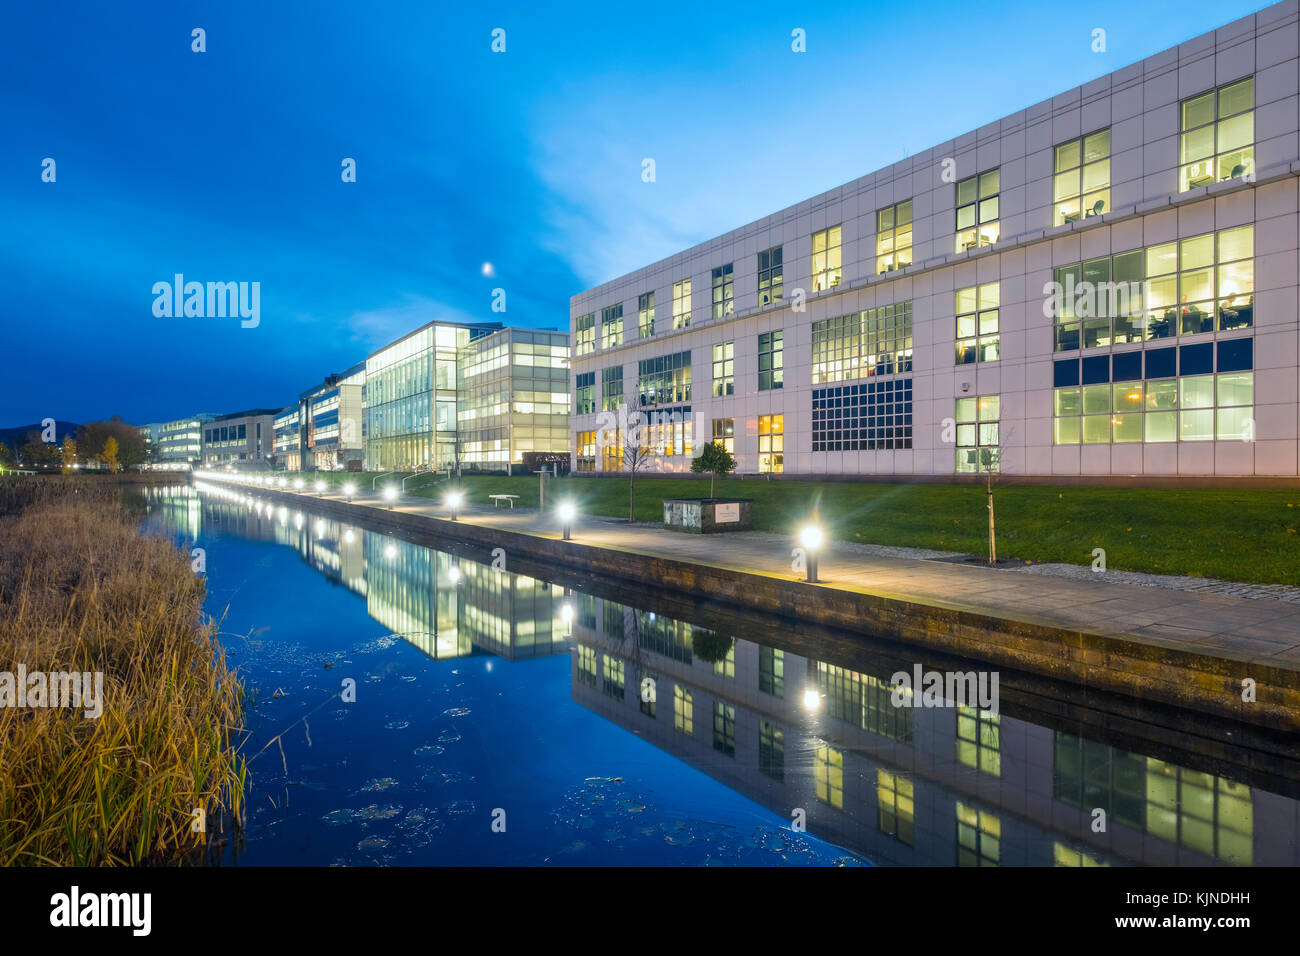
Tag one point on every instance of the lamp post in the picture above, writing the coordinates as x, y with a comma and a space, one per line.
454, 499
567, 513
810, 537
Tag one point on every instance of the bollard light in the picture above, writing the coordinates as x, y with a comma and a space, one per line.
454, 500
297, 484
390, 495
567, 512
349, 490
282, 482
811, 537
320, 487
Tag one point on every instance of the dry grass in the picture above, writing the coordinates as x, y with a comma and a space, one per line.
82, 590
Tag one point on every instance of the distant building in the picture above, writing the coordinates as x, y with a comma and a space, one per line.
331, 421
178, 444
287, 440
247, 436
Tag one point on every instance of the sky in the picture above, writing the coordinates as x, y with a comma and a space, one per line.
227, 165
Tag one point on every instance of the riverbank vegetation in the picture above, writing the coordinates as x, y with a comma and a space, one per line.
82, 591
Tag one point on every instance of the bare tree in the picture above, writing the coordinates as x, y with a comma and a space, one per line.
636, 453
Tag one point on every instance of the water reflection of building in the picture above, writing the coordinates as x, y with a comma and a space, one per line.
445, 605
924, 786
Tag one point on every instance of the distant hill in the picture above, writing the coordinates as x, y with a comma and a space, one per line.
17, 436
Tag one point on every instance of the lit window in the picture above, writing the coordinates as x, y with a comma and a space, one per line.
977, 324
611, 326
645, 314
977, 434
977, 210
1217, 142
724, 433
894, 237
585, 333
979, 837
724, 375
682, 304
1081, 184
771, 444
828, 776
979, 740
683, 710
826, 259
894, 796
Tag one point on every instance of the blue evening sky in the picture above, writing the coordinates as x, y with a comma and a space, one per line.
225, 165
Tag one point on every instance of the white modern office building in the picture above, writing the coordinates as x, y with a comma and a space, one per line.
1103, 284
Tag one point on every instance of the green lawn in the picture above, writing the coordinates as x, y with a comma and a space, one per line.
1240, 535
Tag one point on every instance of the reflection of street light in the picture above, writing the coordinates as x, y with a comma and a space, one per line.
567, 513
453, 574
812, 700
349, 536
454, 499
566, 613
349, 490
390, 551
390, 495
810, 537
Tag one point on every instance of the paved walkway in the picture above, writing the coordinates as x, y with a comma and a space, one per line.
1223, 625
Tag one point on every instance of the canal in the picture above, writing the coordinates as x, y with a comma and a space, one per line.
410, 705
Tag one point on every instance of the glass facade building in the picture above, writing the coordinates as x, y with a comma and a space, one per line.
513, 397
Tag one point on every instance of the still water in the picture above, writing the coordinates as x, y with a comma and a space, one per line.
503, 717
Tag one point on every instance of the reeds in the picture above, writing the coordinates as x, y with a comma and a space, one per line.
82, 590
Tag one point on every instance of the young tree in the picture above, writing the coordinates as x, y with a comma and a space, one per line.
714, 460
109, 455
635, 456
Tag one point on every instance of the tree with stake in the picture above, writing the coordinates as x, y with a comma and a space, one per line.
714, 460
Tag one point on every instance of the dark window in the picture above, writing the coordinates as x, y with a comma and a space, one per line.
1237, 355
1127, 366
1196, 359
1096, 369
1065, 373
1161, 363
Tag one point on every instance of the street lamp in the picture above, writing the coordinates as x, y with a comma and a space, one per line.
810, 537
454, 499
390, 495
567, 513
